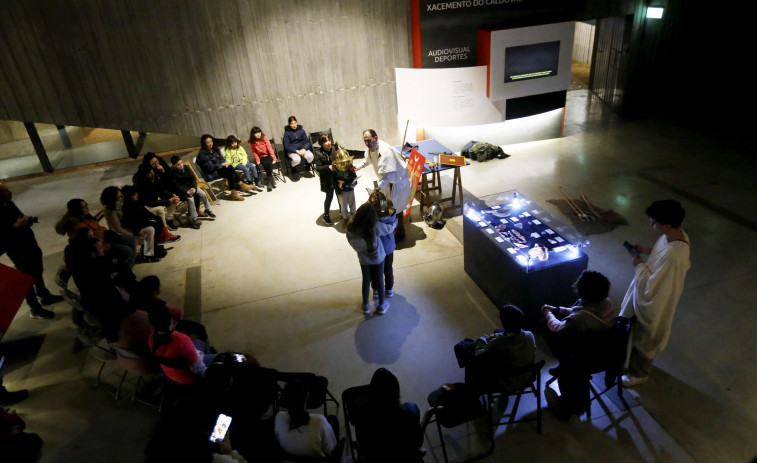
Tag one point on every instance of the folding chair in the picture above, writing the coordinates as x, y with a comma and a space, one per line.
277, 165
206, 186
452, 412
318, 392
138, 365
355, 406
593, 353
533, 387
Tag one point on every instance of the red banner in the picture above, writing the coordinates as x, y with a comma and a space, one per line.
13, 286
415, 170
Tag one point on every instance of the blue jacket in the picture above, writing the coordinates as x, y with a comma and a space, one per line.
385, 229
296, 139
209, 163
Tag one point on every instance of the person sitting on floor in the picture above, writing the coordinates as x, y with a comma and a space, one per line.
301, 433
77, 216
213, 166
184, 184
392, 429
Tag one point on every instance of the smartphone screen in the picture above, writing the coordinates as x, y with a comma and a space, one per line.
220, 428
239, 358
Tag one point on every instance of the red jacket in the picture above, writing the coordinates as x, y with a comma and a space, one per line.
262, 148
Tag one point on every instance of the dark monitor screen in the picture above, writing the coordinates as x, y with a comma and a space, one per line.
531, 61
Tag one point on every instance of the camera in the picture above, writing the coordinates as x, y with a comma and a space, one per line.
33, 220
631, 249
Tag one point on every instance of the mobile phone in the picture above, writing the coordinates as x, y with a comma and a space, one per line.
631, 249
219, 430
2, 362
239, 358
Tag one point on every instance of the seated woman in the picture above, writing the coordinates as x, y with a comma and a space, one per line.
236, 156
297, 143
324, 157
137, 217
392, 430
264, 154
103, 282
113, 200
214, 166
301, 433
181, 359
124, 247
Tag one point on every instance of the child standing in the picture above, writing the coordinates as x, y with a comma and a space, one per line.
364, 239
344, 179
385, 228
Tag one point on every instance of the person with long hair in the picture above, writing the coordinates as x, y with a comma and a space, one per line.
392, 429
301, 433
77, 216
324, 158
213, 166
112, 200
136, 217
265, 155
364, 239
236, 156
297, 142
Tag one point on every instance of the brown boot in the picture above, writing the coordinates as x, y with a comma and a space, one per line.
234, 196
241, 186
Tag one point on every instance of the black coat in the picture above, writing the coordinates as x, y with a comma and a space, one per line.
322, 160
181, 181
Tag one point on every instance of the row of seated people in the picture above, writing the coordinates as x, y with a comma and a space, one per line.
217, 163
227, 162
387, 428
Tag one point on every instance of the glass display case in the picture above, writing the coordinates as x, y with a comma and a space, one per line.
530, 235
518, 253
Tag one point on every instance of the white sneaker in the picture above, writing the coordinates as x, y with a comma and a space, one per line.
389, 293
631, 381
366, 309
384, 307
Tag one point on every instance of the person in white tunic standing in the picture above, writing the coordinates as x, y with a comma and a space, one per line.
391, 171
653, 295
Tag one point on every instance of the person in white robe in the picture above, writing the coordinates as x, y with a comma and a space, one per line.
657, 285
391, 171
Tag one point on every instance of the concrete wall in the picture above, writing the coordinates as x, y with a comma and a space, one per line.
195, 66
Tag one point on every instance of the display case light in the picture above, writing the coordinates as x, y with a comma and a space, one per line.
654, 12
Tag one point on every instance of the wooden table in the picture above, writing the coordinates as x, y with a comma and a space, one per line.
426, 148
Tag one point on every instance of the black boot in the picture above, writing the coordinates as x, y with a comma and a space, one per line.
269, 182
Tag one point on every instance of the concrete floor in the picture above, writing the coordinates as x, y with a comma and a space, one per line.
277, 282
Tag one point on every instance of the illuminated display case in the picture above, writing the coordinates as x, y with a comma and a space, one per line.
520, 254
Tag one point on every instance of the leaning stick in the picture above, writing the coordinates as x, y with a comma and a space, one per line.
568, 201
404, 137
588, 204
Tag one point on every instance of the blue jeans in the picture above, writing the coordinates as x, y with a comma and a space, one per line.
247, 168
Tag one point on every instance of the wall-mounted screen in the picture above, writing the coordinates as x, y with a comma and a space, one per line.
531, 61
